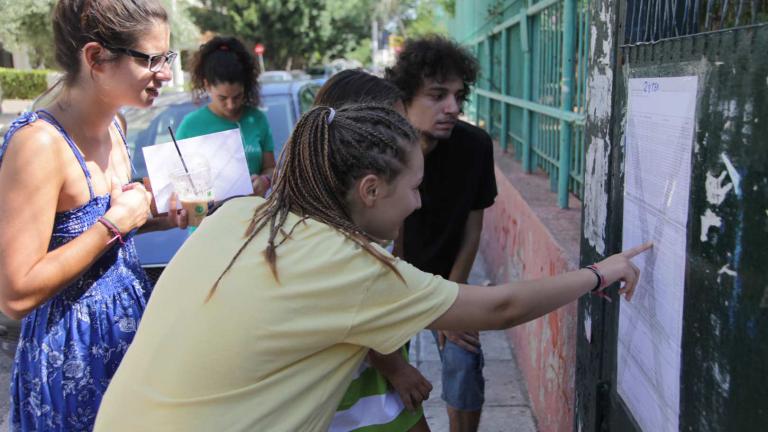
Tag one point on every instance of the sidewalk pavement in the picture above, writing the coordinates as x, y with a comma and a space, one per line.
507, 408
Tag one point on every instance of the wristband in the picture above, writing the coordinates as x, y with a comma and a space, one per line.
111, 227
600, 278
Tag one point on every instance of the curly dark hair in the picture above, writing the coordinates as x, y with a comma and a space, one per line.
431, 57
224, 59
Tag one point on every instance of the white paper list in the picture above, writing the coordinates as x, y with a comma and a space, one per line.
658, 144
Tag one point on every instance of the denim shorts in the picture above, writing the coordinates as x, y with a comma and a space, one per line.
463, 382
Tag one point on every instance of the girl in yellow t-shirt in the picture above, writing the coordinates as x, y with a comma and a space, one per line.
387, 391
266, 312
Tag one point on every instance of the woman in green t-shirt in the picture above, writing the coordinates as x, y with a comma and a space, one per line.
224, 70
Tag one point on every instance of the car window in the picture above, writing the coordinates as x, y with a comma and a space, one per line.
169, 118
137, 121
150, 127
307, 97
280, 116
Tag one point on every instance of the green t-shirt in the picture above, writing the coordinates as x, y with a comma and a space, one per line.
257, 138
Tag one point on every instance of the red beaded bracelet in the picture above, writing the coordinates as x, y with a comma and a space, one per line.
268, 180
113, 229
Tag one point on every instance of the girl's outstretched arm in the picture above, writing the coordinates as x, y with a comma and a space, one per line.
499, 307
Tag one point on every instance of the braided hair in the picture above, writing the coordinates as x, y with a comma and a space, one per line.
224, 59
321, 161
357, 86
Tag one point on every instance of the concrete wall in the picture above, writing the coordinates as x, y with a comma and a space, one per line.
518, 243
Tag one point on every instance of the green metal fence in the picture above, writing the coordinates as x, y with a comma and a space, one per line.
532, 88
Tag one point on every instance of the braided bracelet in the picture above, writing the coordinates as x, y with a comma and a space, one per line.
111, 227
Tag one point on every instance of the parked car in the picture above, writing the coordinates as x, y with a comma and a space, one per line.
275, 76
283, 102
299, 74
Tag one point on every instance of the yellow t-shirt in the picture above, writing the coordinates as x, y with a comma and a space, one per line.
263, 355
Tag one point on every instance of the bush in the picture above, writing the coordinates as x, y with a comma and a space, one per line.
22, 84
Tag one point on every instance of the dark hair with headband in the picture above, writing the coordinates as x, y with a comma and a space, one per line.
321, 162
357, 86
224, 59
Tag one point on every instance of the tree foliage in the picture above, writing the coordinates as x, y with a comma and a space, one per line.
184, 32
294, 32
26, 24
415, 18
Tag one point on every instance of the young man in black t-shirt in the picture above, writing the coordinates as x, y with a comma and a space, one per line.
443, 236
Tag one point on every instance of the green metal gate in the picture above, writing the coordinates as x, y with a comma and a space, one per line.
531, 92
723, 384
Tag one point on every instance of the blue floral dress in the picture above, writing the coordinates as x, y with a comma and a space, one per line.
71, 345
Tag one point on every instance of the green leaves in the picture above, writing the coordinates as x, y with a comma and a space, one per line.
28, 24
20, 84
294, 32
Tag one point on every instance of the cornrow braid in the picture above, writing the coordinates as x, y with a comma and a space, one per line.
320, 163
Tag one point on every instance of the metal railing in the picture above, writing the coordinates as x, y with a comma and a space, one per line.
655, 20
531, 94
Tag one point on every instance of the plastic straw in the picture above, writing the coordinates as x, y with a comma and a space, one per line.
183, 163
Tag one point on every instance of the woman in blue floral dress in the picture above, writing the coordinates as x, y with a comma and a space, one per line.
68, 265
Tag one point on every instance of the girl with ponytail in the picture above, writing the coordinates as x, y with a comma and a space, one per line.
262, 319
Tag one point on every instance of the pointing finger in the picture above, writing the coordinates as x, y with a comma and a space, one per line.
637, 250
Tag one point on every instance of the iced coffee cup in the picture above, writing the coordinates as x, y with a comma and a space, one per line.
195, 190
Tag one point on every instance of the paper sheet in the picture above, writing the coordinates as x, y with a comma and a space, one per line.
224, 153
658, 145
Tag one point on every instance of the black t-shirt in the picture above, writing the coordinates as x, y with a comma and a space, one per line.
458, 178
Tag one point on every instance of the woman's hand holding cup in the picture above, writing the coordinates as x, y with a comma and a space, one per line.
175, 217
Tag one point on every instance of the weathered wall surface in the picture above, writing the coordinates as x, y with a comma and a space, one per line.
516, 245
598, 239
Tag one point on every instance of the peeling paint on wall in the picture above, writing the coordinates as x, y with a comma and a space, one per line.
716, 325
599, 91
722, 377
735, 176
595, 194
716, 190
725, 270
588, 328
708, 220
598, 137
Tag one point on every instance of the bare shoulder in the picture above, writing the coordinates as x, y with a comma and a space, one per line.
36, 143
33, 154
